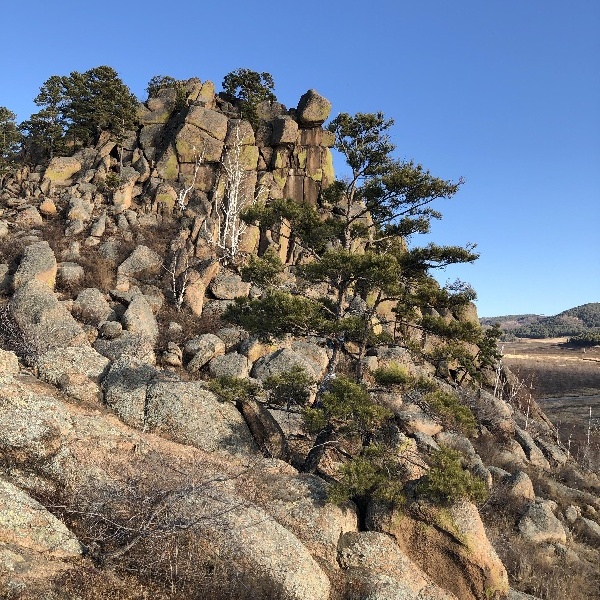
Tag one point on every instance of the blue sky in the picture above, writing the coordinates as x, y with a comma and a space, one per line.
505, 93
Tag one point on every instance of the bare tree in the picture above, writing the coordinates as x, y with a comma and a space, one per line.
183, 193
227, 227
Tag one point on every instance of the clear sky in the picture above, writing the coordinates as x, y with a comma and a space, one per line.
505, 93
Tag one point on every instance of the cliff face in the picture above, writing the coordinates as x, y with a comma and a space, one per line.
124, 472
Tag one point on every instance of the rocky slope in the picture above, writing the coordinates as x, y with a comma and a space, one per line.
123, 475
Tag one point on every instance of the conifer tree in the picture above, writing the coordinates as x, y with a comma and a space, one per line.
10, 139
355, 245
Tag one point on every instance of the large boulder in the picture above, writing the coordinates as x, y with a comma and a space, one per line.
285, 131
212, 122
471, 459
116, 343
126, 389
283, 361
278, 562
413, 419
189, 413
78, 371
377, 569
43, 322
139, 318
533, 453
227, 286
105, 466
27, 524
62, 168
264, 428
538, 524
91, 306
38, 262
32, 424
203, 348
232, 364
459, 556
140, 263
313, 109
194, 144
298, 501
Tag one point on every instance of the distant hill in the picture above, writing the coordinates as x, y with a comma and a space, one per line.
572, 322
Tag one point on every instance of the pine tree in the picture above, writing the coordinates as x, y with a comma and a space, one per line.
10, 139
355, 245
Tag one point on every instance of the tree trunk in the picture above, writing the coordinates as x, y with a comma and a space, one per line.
311, 464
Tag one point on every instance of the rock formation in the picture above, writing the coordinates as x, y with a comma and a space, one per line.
118, 457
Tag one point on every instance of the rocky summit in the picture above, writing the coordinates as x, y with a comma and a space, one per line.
178, 420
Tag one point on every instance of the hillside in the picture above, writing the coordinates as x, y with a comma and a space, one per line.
572, 322
225, 374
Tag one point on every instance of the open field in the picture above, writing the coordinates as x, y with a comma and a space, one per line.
566, 383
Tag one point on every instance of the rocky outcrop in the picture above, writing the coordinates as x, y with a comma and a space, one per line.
449, 544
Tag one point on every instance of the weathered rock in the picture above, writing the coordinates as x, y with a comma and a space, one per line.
231, 336
149, 139
91, 306
70, 274
299, 503
313, 110
265, 430
79, 210
412, 419
193, 143
533, 453
123, 196
210, 121
472, 459
572, 513
139, 318
590, 530
285, 131
270, 552
227, 286
9, 362
203, 348
519, 488
239, 133
282, 361
47, 207
538, 524
82, 360
31, 424
495, 414
459, 556
62, 168
5, 279
379, 570
132, 344
173, 355
516, 595
126, 389
141, 262
188, 413
110, 330
198, 282
167, 165
229, 365
27, 524
38, 262
28, 218
43, 322
552, 452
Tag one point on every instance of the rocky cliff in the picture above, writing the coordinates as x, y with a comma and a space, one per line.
124, 473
